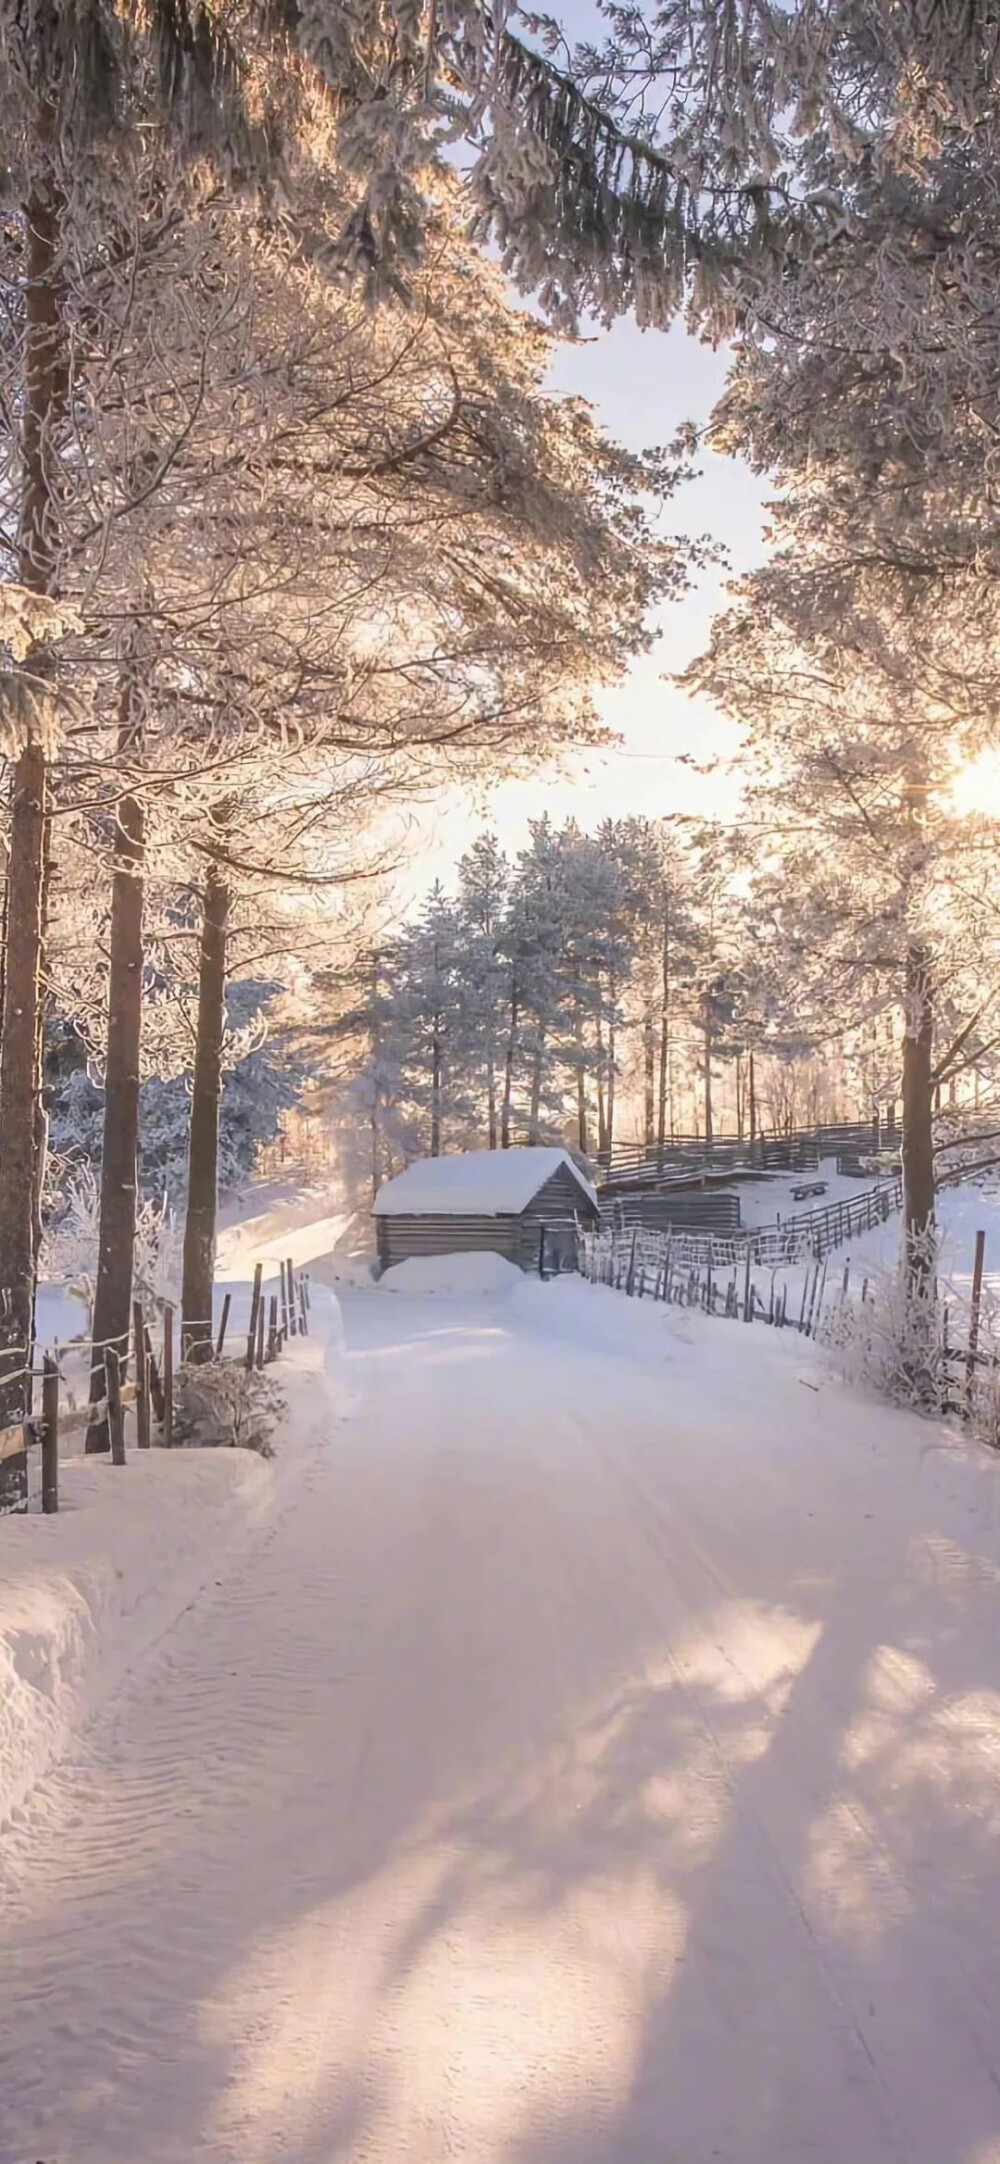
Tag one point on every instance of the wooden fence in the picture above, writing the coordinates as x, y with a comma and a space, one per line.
273, 1317
635, 1163
810, 1234
654, 1266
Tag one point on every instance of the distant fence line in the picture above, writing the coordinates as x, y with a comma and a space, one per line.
810, 1235
795, 1152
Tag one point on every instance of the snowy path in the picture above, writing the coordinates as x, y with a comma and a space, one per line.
597, 1765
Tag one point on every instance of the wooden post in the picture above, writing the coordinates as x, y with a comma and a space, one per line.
50, 1436
303, 1320
306, 1295
141, 1377
116, 1413
284, 1302
977, 1301
805, 1295
747, 1311
168, 1378
155, 1385
292, 1323
541, 1252
254, 1312
221, 1339
630, 1273
260, 1332
272, 1327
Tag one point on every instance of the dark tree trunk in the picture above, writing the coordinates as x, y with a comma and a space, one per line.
120, 1147
535, 1108
203, 1149
918, 1116
709, 1128
508, 1070
581, 1087
491, 1092
602, 1122
44, 390
612, 1055
752, 1096
664, 1075
436, 1071
649, 1080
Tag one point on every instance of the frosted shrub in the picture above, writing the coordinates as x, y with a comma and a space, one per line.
69, 1249
219, 1406
892, 1340
908, 1340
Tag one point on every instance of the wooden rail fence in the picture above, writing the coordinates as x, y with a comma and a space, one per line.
151, 1391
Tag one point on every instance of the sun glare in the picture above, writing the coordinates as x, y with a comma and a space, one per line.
976, 787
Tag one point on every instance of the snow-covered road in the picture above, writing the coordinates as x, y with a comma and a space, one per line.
597, 1762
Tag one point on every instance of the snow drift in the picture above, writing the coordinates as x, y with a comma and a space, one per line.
464, 1273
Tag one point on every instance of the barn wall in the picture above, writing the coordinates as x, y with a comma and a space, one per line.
557, 1206
401, 1237
699, 1210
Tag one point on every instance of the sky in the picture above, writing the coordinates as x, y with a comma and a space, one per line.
642, 384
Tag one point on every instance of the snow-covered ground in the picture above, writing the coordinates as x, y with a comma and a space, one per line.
772, 1197
594, 1763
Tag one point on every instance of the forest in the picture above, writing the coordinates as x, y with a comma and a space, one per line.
295, 532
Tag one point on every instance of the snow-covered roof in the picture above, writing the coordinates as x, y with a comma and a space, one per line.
474, 1183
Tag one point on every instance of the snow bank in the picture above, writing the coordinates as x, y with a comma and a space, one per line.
475, 1273
85, 1595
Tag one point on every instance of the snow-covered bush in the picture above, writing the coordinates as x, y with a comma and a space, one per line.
891, 1339
69, 1250
218, 1405
908, 1340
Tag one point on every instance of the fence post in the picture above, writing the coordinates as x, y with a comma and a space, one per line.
221, 1339
272, 1327
630, 1273
116, 1414
141, 1378
260, 1332
303, 1304
977, 1300
254, 1312
168, 1378
292, 1322
541, 1252
155, 1385
284, 1301
50, 1436
747, 1312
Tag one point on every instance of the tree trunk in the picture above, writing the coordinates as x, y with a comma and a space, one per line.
491, 1091
602, 1124
581, 1086
752, 1096
120, 1147
709, 1129
436, 1089
508, 1070
535, 1108
44, 387
203, 1148
649, 1081
739, 1097
612, 1054
661, 1121
918, 1115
